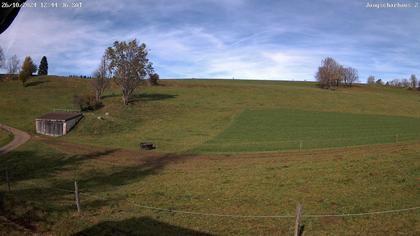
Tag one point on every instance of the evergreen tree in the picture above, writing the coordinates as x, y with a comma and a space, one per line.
43, 66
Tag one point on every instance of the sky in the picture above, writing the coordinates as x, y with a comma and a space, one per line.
241, 39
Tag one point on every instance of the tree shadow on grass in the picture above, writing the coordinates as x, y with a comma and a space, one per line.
27, 169
137, 226
122, 175
144, 97
28, 165
24, 165
35, 83
39, 187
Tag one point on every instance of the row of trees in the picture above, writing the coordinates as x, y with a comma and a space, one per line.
24, 72
411, 83
127, 64
332, 75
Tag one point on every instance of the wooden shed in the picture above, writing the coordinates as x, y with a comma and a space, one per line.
57, 123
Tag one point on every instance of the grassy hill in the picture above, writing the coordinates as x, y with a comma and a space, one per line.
223, 115
204, 117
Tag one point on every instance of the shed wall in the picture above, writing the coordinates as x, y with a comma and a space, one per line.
49, 127
53, 127
68, 125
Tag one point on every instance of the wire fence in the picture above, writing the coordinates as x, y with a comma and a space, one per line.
77, 197
81, 195
232, 145
86, 195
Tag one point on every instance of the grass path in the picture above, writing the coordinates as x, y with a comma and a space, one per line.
15, 139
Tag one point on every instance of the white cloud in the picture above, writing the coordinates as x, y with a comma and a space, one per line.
225, 39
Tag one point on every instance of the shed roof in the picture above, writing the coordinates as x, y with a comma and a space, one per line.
60, 116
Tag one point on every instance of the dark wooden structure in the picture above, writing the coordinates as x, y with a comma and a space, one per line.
147, 146
57, 123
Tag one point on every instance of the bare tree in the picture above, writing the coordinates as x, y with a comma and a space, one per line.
395, 83
128, 66
413, 81
371, 80
350, 75
405, 83
13, 65
2, 59
329, 73
100, 79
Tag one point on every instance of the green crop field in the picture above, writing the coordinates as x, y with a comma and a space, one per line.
225, 148
282, 129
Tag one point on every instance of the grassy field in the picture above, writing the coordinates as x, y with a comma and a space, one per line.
115, 182
282, 129
191, 119
5, 137
183, 115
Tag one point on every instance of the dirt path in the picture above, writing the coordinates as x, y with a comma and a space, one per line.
20, 137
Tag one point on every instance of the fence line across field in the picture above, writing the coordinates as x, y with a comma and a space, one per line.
261, 216
299, 226
278, 216
226, 142
90, 195
309, 140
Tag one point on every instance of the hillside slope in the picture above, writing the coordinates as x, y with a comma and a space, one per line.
183, 114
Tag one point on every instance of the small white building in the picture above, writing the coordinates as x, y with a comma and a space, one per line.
57, 123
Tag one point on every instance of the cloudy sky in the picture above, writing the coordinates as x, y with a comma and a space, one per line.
245, 39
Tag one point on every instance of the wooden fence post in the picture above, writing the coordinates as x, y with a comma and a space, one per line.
298, 225
77, 197
7, 180
300, 145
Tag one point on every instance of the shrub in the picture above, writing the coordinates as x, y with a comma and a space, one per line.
379, 82
154, 79
86, 102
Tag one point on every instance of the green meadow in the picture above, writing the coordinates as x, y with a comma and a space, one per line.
284, 129
114, 184
199, 115
224, 147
